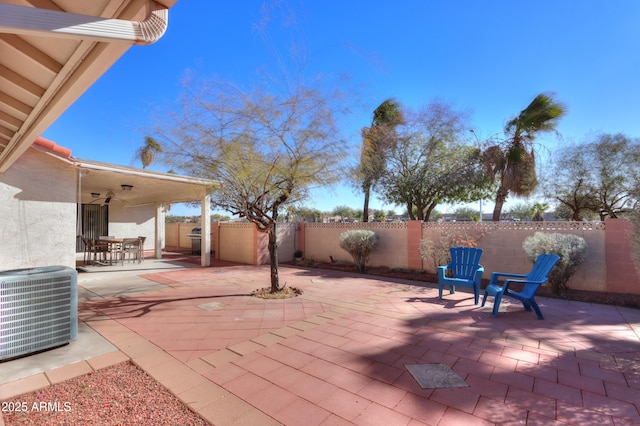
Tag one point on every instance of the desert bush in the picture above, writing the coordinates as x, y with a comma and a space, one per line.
308, 261
438, 250
359, 244
572, 250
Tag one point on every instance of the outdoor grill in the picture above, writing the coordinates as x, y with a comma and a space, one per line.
196, 237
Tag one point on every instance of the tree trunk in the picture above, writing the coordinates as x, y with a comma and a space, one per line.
501, 197
273, 253
430, 208
410, 211
365, 209
273, 260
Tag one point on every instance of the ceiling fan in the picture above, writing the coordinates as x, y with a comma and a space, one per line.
110, 194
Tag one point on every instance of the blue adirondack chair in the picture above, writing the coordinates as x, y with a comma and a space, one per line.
532, 281
467, 271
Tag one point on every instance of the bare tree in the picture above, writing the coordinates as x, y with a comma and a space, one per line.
617, 166
569, 183
598, 176
266, 148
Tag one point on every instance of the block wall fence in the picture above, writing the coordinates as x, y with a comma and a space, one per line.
608, 266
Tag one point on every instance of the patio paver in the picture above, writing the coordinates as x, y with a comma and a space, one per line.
336, 354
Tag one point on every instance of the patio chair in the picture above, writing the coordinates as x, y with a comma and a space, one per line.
142, 240
465, 269
86, 255
131, 248
530, 282
92, 249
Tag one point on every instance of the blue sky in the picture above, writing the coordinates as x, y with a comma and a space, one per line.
489, 57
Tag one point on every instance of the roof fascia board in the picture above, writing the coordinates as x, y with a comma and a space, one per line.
42, 22
92, 165
114, 168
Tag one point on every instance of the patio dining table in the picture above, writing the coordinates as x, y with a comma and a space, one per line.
115, 247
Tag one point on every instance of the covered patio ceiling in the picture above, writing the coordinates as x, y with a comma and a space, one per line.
52, 51
147, 187
128, 185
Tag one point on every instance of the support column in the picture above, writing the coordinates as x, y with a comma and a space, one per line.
622, 276
159, 231
205, 226
256, 246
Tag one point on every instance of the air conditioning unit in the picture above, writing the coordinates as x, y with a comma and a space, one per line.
38, 309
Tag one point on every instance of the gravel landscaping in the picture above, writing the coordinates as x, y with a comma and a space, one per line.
122, 394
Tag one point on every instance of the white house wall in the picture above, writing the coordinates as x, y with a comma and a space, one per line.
138, 221
37, 212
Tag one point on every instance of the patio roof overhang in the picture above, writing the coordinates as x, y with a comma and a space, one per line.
147, 187
53, 51
142, 187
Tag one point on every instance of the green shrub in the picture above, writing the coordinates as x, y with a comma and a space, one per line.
359, 244
572, 250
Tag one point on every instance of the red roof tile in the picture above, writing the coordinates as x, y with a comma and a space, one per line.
53, 147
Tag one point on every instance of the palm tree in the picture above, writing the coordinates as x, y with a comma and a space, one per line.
146, 154
515, 161
538, 211
377, 140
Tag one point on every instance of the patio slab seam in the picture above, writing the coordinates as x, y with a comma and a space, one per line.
179, 378
61, 374
224, 356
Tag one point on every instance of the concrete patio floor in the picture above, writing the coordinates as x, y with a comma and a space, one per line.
337, 354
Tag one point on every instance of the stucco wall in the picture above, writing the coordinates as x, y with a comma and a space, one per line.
502, 247
37, 212
608, 266
131, 222
232, 243
287, 241
323, 240
176, 235
238, 242
622, 275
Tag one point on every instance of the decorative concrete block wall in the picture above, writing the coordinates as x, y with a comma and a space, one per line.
323, 240
622, 276
502, 247
238, 243
608, 266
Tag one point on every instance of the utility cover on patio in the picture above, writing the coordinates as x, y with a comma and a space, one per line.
431, 376
212, 306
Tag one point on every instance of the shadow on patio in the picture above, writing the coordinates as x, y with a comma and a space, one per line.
338, 353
